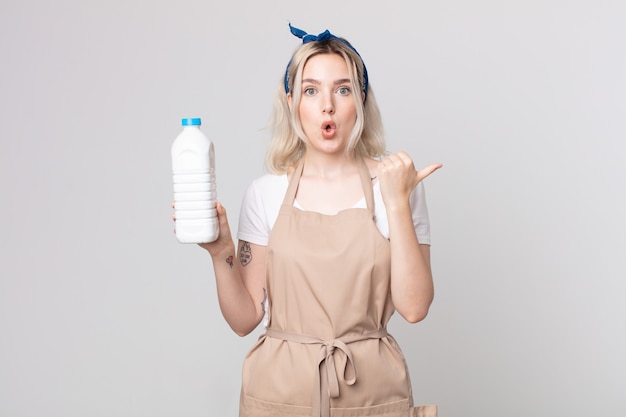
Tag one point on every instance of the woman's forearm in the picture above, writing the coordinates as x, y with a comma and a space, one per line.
411, 278
236, 302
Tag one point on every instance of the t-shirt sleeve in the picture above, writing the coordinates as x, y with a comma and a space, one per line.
253, 225
421, 221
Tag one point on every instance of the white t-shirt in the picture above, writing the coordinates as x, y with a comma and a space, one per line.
262, 201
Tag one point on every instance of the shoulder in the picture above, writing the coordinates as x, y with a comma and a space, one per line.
419, 213
265, 191
260, 207
269, 184
372, 165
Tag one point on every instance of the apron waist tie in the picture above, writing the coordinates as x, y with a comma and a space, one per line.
328, 386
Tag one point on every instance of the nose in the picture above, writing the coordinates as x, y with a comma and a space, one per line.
328, 106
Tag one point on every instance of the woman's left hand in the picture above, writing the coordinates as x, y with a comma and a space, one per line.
398, 177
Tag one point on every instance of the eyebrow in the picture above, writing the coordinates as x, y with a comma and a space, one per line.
317, 82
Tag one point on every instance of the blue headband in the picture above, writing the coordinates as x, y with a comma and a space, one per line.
324, 36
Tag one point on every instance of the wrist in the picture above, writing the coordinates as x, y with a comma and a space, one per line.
221, 251
395, 207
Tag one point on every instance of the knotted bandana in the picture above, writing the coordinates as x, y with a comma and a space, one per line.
324, 36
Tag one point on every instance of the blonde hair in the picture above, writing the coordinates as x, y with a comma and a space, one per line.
288, 141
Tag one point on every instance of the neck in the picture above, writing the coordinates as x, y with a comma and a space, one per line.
329, 166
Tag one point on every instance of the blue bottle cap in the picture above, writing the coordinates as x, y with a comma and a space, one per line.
192, 121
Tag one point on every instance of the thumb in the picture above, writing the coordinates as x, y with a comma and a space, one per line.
425, 172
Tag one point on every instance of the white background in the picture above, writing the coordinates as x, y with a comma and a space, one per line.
103, 313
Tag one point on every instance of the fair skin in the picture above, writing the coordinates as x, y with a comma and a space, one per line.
330, 183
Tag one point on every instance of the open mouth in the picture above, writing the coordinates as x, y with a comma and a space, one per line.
328, 130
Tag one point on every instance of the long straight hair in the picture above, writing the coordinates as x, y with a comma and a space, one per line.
288, 141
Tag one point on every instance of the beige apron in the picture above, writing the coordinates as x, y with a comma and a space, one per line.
326, 351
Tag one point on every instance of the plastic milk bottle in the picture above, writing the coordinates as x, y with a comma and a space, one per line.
195, 195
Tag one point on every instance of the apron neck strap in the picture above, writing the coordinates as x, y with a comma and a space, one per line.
366, 182
290, 195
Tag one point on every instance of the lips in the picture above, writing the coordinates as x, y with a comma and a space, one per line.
328, 130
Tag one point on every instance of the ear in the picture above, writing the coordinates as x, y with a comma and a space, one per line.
289, 100
362, 97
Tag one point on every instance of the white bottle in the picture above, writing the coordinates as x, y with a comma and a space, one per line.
195, 195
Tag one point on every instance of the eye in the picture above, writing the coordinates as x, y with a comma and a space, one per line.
309, 91
344, 91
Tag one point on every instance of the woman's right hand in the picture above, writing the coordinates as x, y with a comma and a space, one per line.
224, 240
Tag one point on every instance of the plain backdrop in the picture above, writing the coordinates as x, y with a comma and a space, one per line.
104, 313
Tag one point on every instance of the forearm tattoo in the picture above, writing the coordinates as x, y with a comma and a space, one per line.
245, 253
229, 261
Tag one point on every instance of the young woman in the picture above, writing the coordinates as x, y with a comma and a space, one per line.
331, 244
